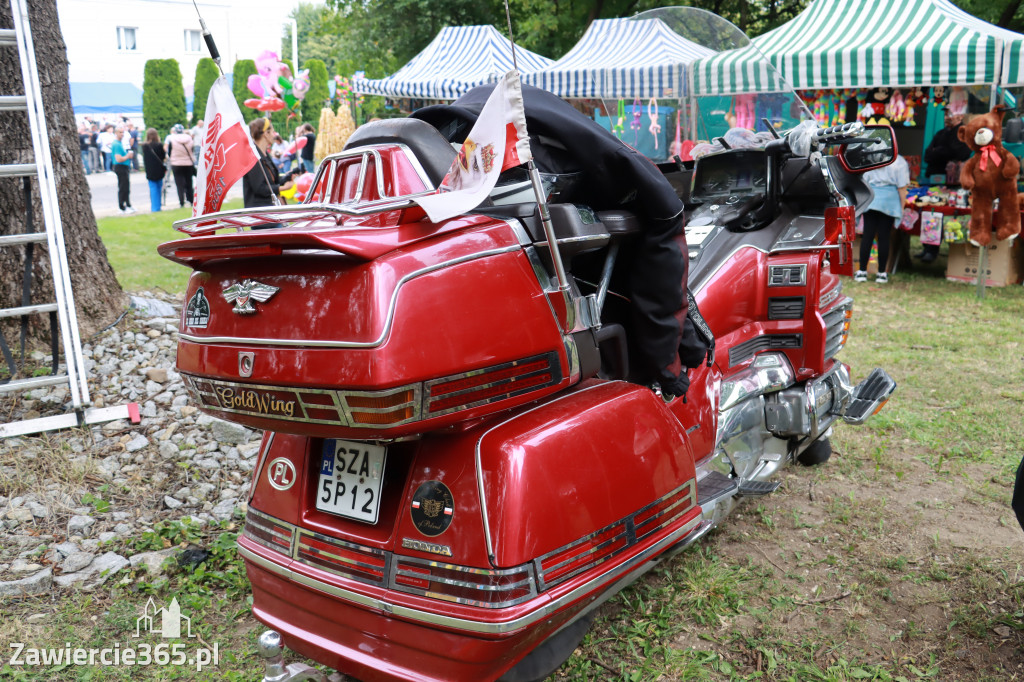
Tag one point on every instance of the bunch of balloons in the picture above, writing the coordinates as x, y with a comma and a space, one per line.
298, 190
274, 85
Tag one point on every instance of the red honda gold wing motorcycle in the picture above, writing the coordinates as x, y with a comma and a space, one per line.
456, 469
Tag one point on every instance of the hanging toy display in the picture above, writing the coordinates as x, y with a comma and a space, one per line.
635, 124
915, 99
939, 96
619, 129
896, 109
652, 115
744, 106
958, 101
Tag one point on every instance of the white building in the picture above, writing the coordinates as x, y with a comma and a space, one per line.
110, 41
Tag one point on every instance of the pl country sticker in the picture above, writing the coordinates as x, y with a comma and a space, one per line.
433, 508
197, 311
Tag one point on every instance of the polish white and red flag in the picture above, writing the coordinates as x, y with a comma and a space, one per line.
498, 141
228, 151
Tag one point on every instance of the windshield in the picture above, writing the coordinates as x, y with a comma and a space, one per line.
696, 85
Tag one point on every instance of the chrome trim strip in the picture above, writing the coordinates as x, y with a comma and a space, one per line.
339, 402
800, 267
261, 461
553, 368
809, 247
479, 466
463, 623
253, 341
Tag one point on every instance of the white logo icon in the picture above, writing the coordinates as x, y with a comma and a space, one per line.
166, 621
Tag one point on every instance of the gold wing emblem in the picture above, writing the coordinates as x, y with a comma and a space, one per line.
245, 292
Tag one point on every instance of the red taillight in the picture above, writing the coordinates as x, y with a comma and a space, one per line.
268, 531
343, 558
471, 586
491, 384
382, 409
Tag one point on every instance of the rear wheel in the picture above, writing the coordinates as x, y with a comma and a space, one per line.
817, 452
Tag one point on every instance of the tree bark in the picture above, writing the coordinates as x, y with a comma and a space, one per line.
98, 296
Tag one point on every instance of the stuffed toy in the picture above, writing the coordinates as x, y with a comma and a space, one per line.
873, 112
990, 174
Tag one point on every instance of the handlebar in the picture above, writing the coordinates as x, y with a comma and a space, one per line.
840, 133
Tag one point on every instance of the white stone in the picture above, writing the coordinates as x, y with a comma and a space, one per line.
152, 561
32, 586
76, 562
80, 524
171, 503
136, 444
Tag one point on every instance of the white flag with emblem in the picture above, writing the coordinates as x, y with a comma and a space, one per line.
497, 141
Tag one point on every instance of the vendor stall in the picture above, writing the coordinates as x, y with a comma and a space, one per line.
905, 64
458, 59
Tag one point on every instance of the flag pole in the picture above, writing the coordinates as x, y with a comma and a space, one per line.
215, 55
538, 190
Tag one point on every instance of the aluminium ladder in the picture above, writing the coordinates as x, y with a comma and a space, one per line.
20, 38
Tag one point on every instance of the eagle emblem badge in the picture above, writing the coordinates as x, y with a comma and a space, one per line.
245, 292
433, 508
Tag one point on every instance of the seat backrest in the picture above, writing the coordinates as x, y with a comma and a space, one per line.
433, 152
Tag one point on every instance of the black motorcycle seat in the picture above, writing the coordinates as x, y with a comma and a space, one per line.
619, 223
433, 152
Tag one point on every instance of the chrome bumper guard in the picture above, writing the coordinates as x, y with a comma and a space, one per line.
808, 411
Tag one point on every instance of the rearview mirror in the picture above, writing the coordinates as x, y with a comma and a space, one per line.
875, 148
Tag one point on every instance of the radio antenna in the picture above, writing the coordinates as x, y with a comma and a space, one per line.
215, 55
511, 38
208, 37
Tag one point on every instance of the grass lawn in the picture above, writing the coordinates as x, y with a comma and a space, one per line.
131, 243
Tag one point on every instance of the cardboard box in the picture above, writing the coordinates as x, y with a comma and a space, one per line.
872, 260
1005, 263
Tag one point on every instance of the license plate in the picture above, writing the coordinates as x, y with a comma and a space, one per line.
350, 479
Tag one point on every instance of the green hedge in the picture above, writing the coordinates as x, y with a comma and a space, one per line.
243, 69
206, 73
163, 95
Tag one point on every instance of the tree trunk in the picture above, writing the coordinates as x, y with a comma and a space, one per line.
98, 297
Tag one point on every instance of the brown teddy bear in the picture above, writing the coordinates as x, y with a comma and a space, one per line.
990, 174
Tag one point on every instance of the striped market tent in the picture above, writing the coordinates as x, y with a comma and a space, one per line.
458, 59
622, 58
869, 43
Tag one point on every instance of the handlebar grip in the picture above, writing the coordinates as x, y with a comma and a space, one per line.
836, 133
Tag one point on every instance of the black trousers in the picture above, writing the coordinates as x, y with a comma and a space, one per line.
123, 186
876, 225
1017, 501
183, 182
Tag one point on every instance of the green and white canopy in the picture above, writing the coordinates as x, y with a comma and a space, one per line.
869, 43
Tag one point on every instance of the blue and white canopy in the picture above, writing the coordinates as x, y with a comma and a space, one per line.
622, 58
458, 59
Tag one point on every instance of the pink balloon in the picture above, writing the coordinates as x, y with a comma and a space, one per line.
297, 145
255, 84
302, 185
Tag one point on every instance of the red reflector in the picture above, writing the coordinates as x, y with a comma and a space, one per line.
228, 252
487, 378
379, 402
514, 384
392, 417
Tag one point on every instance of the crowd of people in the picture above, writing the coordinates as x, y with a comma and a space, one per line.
115, 147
